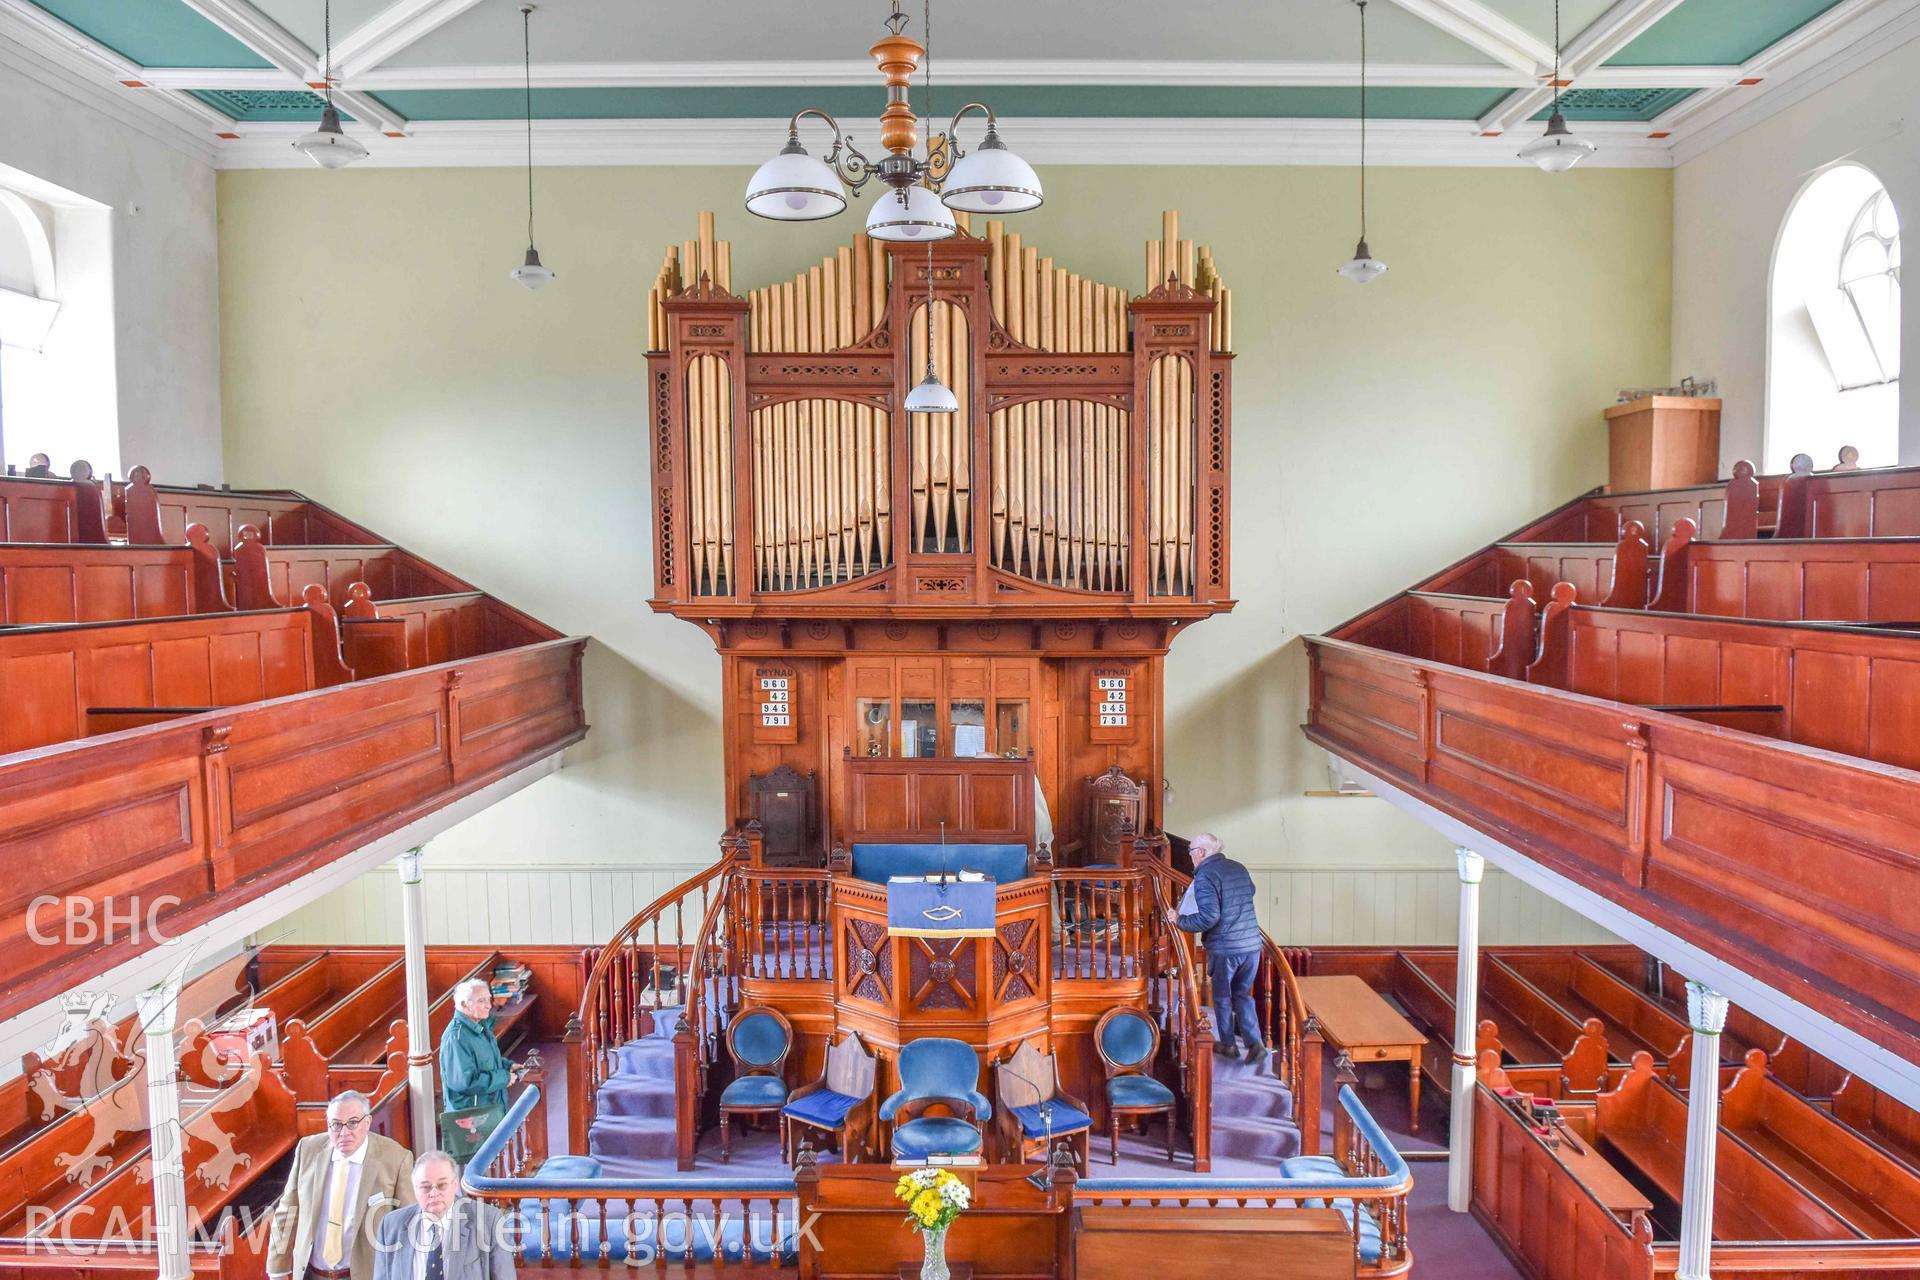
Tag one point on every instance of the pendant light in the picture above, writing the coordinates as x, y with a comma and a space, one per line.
532, 273
1558, 149
328, 146
915, 211
1365, 266
932, 395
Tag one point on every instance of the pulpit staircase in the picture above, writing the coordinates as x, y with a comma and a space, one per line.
661, 991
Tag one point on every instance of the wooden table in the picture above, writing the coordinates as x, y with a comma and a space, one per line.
1359, 1023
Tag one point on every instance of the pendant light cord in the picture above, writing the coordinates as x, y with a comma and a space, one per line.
1556, 57
326, 36
526, 54
926, 68
1363, 119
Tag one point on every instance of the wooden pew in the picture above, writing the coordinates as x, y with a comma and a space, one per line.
1790, 580
50, 676
52, 510
308, 1048
1878, 1195
1888, 1123
1882, 502
1530, 1028
1643, 1123
1585, 990
259, 576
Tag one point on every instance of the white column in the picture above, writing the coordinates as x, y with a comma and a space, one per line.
1466, 1030
1707, 1013
159, 1009
422, 1097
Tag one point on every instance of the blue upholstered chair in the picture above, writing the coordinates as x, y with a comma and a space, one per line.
759, 1040
840, 1101
1033, 1107
1128, 1041
935, 1071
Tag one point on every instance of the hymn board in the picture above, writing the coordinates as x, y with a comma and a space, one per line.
939, 595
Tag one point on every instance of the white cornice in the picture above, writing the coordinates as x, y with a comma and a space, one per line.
57, 56
693, 75
1713, 123
1044, 141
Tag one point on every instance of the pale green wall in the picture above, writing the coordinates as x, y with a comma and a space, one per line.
376, 356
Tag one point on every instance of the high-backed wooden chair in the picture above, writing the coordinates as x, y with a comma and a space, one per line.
840, 1102
759, 1040
1035, 1111
1128, 1041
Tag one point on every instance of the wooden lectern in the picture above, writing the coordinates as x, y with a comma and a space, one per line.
1662, 442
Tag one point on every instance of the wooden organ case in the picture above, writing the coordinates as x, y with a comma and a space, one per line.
1003, 581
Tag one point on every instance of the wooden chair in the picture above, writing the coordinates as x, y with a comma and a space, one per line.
759, 1040
1035, 1111
840, 1102
1128, 1043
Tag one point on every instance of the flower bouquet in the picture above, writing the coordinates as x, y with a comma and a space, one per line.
934, 1198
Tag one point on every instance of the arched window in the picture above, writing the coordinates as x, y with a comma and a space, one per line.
27, 311
1834, 344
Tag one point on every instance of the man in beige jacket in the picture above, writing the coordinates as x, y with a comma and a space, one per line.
344, 1181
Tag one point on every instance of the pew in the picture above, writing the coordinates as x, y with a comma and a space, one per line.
1643, 1123
1876, 1194
1587, 991
50, 676
1889, 1124
259, 576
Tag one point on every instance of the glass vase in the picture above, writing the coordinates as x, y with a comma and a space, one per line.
934, 1264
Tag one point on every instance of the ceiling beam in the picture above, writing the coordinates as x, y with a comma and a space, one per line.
1622, 23
260, 33
256, 78
394, 28
1492, 33
600, 75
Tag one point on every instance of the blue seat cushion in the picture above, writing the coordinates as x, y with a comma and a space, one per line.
1066, 1119
568, 1169
1320, 1168
824, 1108
1138, 1091
935, 1135
755, 1091
1370, 1246
1002, 863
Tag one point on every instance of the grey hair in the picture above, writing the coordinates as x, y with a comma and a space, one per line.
436, 1156
471, 987
349, 1095
1204, 845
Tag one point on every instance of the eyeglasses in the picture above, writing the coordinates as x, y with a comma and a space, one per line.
346, 1126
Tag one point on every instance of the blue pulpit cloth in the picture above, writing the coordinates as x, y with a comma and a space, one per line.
918, 908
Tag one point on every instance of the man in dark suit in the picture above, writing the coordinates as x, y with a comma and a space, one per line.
444, 1236
1219, 906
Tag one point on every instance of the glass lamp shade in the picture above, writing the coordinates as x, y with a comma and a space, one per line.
327, 146
914, 214
1557, 150
992, 180
795, 187
1364, 267
533, 273
932, 396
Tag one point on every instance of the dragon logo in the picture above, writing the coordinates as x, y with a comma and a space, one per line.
89, 1084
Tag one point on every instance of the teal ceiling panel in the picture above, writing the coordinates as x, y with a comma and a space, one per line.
859, 107
1718, 33
154, 33
1616, 104
254, 105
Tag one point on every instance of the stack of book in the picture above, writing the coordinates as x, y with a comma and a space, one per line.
511, 981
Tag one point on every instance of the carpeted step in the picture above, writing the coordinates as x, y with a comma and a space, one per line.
621, 1137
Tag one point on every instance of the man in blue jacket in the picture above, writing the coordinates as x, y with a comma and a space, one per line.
1219, 906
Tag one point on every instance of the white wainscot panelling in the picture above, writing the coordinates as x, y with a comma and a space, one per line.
491, 906
1300, 906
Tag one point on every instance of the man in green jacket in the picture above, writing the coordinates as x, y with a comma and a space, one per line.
473, 1071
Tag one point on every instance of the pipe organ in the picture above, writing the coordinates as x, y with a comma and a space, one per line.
989, 581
